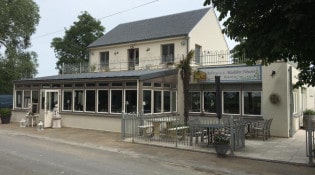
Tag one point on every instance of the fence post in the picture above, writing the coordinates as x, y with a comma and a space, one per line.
133, 123
310, 142
231, 123
122, 125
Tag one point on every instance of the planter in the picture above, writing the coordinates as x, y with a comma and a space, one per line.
221, 150
306, 118
5, 119
5, 114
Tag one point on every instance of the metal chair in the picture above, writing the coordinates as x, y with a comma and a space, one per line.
262, 129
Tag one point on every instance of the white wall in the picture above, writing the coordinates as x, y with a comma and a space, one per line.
146, 58
207, 33
278, 84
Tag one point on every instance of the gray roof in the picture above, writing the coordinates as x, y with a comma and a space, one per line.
161, 27
135, 74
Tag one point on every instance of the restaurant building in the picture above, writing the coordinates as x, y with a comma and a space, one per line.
132, 68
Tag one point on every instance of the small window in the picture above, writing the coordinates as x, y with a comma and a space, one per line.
157, 85
104, 59
79, 85
167, 101
90, 84
103, 84
131, 83
45, 85
67, 85
56, 85
146, 83
168, 53
117, 84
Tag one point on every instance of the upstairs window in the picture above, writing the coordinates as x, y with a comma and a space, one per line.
104, 59
168, 53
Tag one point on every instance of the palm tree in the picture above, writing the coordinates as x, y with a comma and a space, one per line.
185, 73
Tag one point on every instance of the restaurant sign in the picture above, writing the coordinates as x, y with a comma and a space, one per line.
233, 73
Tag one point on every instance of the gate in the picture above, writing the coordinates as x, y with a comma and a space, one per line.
310, 140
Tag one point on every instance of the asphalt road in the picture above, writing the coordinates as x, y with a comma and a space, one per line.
22, 155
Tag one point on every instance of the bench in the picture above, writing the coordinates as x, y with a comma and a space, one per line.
179, 129
144, 130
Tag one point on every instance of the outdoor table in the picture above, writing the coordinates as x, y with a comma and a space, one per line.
156, 122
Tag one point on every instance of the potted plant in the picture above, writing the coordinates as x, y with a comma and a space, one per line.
5, 114
308, 114
221, 142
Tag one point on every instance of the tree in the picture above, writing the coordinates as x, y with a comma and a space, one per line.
18, 20
272, 30
72, 48
185, 74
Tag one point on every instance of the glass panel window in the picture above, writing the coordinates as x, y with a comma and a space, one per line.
131, 101
90, 101
209, 102
167, 101
194, 101
18, 99
67, 100
252, 103
103, 101
146, 101
78, 100
35, 101
231, 102
157, 101
168, 53
27, 99
116, 101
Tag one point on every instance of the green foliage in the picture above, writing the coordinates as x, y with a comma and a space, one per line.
18, 20
72, 48
5, 112
272, 30
185, 73
309, 112
220, 138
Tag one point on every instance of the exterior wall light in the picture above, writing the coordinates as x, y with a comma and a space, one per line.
273, 73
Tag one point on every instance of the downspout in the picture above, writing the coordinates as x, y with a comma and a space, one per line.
187, 41
291, 102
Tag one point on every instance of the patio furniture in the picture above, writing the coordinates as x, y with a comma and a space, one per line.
197, 131
262, 129
173, 132
144, 130
156, 122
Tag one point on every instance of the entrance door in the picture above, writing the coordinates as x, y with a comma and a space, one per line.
49, 99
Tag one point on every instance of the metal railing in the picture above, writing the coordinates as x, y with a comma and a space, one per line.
203, 59
170, 130
310, 141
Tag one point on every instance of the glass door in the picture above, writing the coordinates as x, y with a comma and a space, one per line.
49, 100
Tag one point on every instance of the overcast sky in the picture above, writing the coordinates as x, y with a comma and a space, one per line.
56, 15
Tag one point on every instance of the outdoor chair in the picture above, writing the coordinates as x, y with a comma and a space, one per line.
262, 129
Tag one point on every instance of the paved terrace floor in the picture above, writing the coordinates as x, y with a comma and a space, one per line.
288, 150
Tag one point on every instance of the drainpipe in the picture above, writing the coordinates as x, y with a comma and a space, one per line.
187, 41
291, 102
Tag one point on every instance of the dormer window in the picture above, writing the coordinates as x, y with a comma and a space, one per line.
168, 53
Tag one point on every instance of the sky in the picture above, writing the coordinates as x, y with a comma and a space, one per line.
58, 15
